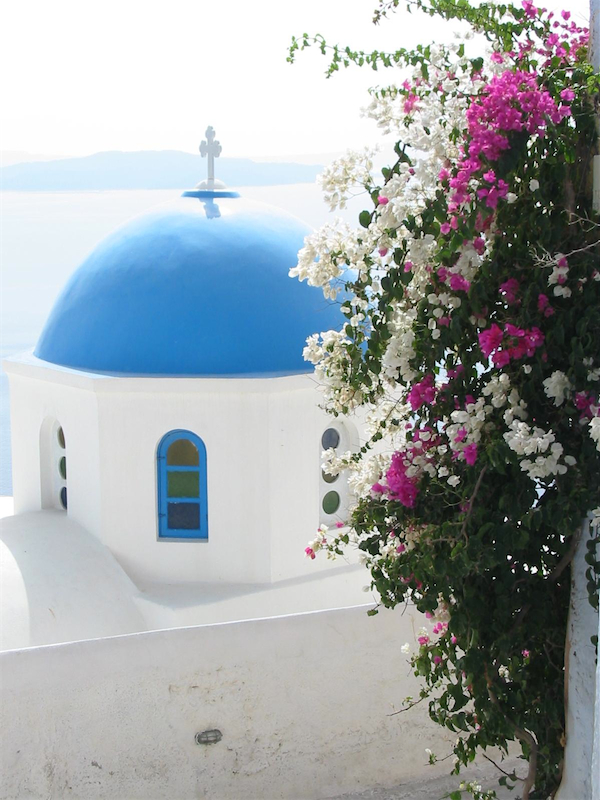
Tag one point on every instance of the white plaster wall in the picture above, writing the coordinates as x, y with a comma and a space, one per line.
580, 672
58, 583
234, 427
303, 704
296, 427
35, 399
263, 446
262, 438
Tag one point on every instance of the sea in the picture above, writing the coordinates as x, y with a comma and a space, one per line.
44, 236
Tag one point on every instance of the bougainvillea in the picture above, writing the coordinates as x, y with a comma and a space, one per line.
470, 336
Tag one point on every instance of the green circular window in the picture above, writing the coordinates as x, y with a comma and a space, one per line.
331, 502
329, 478
61, 437
62, 468
330, 438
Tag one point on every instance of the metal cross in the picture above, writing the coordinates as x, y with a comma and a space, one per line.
211, 148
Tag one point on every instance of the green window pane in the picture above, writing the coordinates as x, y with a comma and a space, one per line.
331, 502
183, 453
62, 468
60, 435
183, 484
329, 478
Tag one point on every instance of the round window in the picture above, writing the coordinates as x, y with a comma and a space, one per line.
330, 438
61, 437
62, 468
63, 497
329, 478
331, 502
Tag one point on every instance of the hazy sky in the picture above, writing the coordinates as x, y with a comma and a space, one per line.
80, 76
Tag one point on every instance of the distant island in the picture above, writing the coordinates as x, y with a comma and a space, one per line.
152, 169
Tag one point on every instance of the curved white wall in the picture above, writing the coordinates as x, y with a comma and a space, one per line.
303, 704
59, 584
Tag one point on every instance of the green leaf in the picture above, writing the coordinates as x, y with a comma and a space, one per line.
365, 218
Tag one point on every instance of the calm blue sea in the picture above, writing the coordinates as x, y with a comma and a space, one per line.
46, 235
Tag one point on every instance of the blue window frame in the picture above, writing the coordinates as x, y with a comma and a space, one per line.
182, 495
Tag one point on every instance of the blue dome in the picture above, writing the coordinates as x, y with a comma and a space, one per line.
198, 287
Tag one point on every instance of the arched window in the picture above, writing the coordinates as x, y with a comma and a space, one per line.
182, 496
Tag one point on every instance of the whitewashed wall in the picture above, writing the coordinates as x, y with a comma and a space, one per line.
263, 441
37, 399
303, 704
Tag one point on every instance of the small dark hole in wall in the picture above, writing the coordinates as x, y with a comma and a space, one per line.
209, 737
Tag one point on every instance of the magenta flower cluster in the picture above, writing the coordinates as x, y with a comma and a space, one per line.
398, 484
512, 102
422, 393
510, 343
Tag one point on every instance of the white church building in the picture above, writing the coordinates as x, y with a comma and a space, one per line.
168, 413
162, 633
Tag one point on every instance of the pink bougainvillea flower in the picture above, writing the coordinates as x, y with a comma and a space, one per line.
501, 358
509, 290
584, 402
445, 228
458, 283
479, 245
470, 453
310, 553
490, 340
512, 330
422, 393
544, 306
383, 201
410, 103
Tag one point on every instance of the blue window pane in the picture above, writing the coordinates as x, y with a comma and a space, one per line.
330, 438
183, 516
63, 497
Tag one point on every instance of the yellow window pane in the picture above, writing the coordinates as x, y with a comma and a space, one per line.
183, 453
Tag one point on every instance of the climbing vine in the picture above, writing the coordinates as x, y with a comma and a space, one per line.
470, 341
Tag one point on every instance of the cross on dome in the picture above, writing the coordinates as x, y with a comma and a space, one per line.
209, 188
210, 147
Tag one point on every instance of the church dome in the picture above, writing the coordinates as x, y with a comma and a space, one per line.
198, 287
